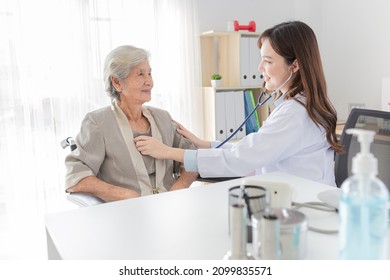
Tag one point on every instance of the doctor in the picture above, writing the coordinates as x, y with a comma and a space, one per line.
299, 135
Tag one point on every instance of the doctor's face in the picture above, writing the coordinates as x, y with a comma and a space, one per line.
274, 68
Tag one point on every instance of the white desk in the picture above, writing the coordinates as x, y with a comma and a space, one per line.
186, 224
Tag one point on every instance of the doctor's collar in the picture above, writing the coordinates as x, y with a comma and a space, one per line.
280, 99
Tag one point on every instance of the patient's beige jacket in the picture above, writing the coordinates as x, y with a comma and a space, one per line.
106, 149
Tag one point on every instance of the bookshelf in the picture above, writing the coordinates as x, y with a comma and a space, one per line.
235, 56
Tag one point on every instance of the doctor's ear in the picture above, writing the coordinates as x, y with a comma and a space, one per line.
295, 66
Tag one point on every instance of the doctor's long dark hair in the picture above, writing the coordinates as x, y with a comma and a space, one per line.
295, 40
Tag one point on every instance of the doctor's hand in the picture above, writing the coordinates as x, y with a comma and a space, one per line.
199, 143
149, 146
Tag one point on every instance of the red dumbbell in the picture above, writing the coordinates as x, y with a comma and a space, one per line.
251, 27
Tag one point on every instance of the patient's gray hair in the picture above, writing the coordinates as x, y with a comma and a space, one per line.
119, 63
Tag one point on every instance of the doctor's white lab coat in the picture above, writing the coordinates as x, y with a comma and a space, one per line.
289, 141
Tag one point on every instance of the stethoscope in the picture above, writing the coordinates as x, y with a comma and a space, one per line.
259, 103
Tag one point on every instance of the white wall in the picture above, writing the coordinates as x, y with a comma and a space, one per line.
354, 39
356, 45
214, 14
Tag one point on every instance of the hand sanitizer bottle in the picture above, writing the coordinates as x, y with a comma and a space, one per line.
363, 211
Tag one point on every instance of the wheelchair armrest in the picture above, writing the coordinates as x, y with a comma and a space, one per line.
84, 199
215, 179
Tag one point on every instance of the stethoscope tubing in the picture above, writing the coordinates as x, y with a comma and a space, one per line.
259, 103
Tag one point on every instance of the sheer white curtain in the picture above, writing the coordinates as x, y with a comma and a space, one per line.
177, 56
51, 56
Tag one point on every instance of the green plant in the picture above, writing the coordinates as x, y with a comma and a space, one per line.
216, 77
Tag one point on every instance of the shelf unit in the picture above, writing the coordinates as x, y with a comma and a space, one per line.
235, 56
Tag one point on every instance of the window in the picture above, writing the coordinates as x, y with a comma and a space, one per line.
51, 57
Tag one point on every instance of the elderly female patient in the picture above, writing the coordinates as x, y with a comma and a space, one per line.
106, 162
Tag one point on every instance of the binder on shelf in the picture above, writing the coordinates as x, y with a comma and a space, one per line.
250, 59
240, 113
253, 124
255, 114
254, 62
220, 119
244, 61
230, 113
263, 111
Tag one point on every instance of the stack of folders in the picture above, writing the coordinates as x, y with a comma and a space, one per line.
253, 123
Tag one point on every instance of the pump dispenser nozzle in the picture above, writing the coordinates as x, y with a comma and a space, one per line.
364, 162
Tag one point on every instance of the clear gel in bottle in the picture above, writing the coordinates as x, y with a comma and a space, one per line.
363, 211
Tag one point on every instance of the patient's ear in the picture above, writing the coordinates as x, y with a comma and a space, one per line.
115, 82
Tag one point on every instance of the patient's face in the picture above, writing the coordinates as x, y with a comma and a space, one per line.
137, 87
